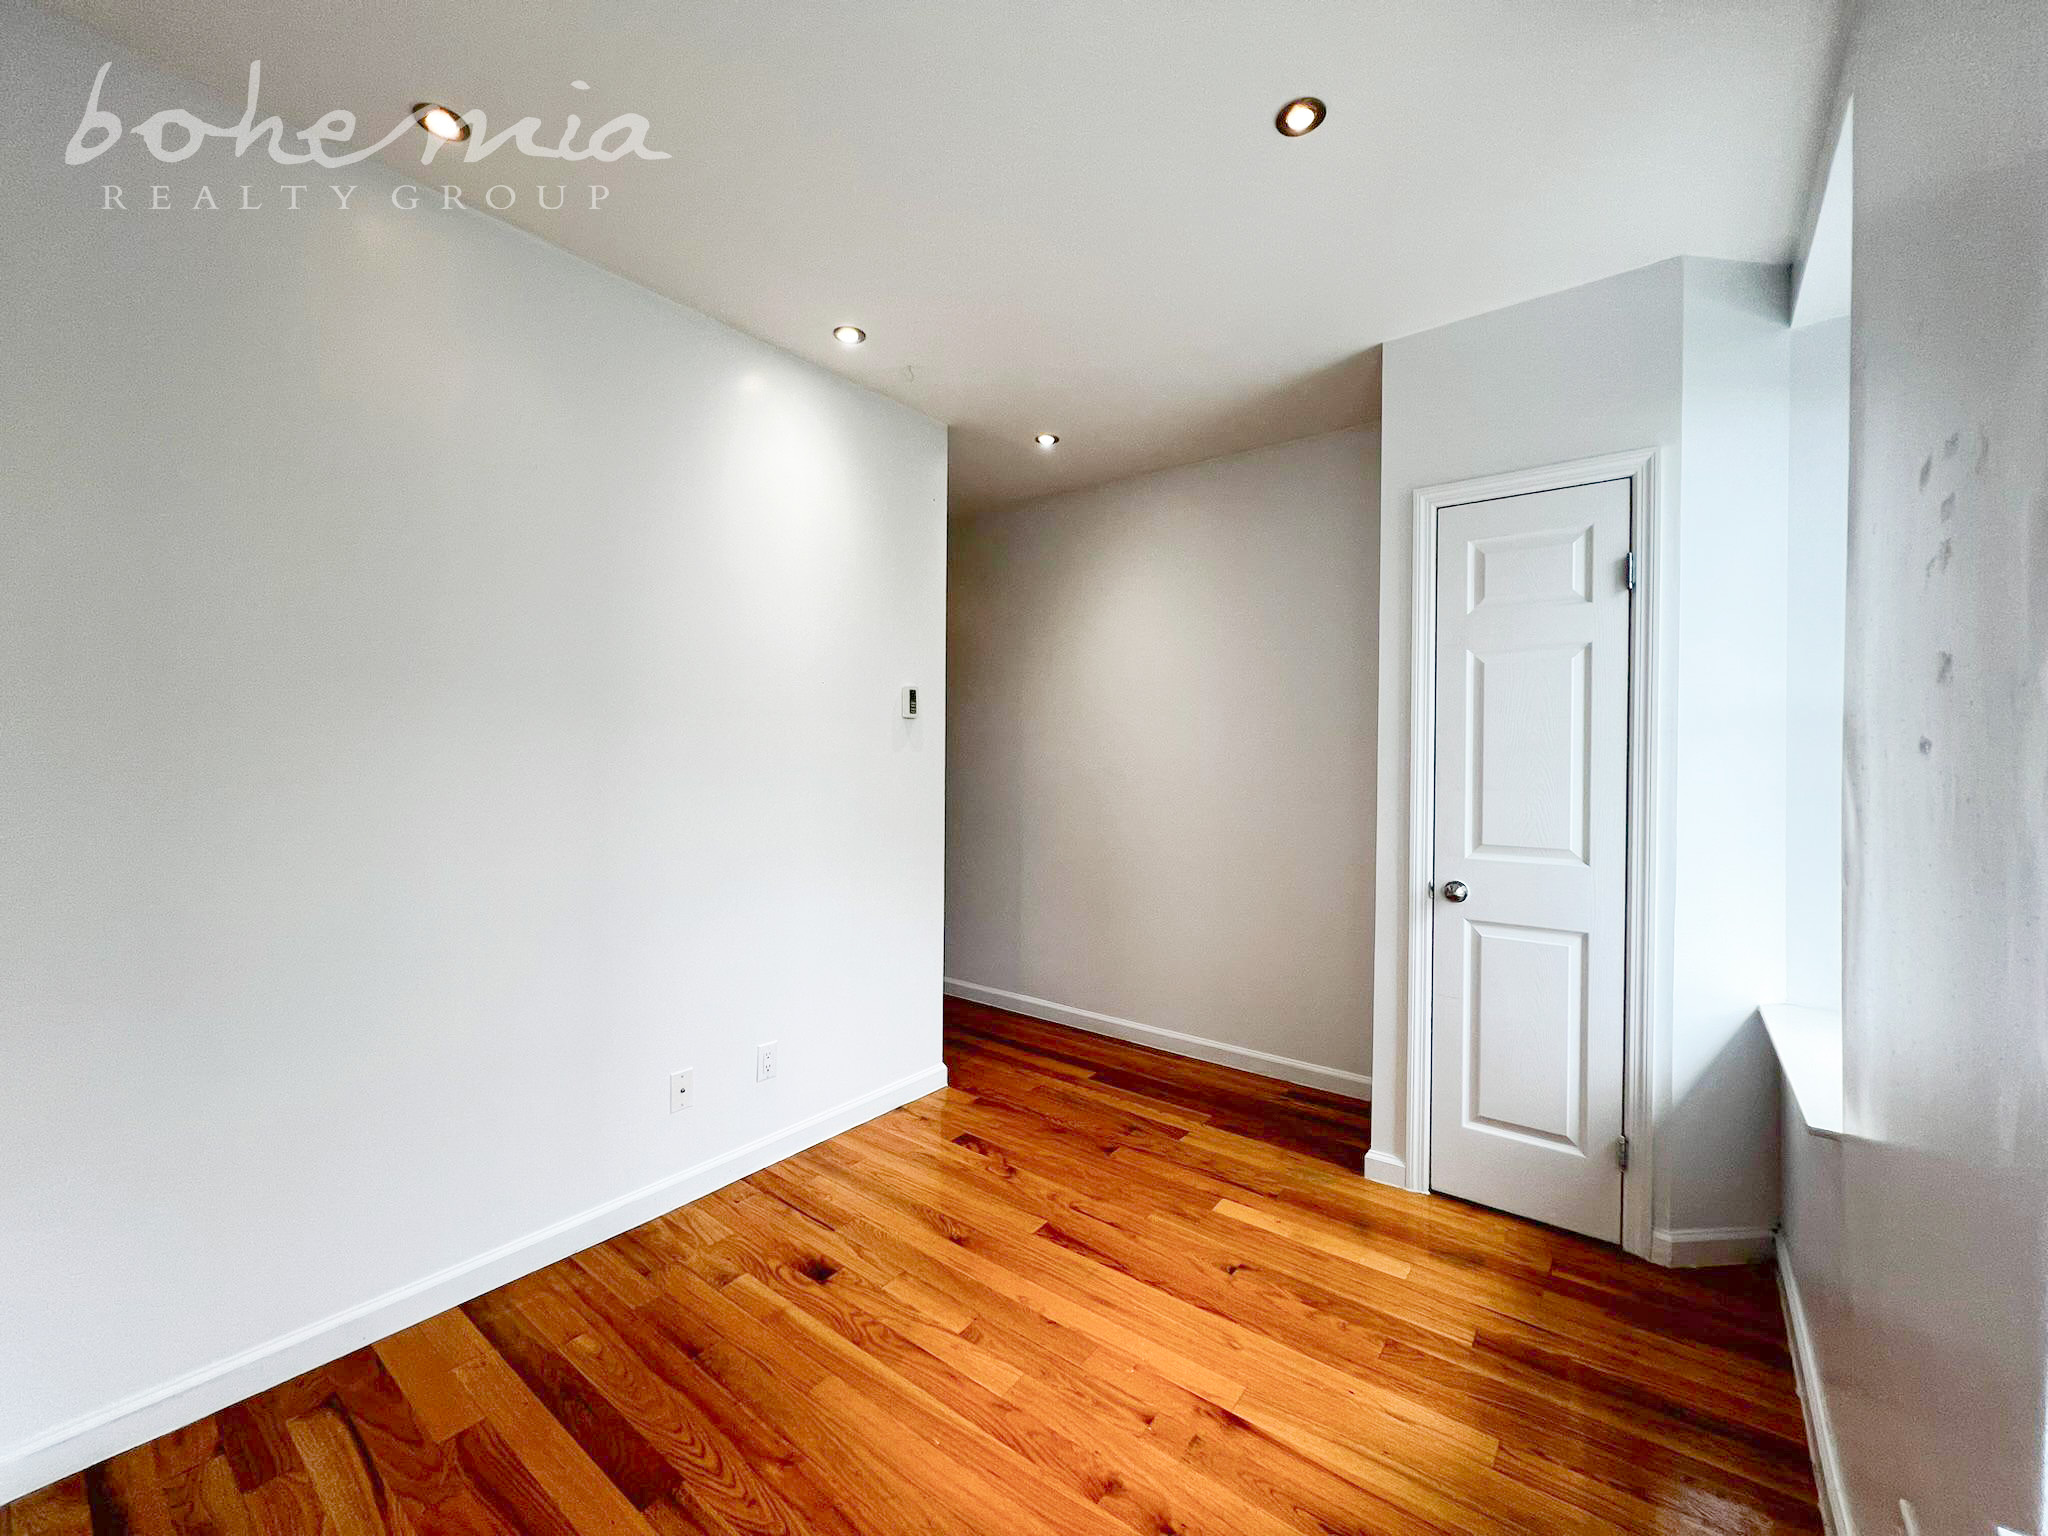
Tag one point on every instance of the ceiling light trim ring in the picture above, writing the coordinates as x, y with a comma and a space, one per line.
420, 112
1317, 112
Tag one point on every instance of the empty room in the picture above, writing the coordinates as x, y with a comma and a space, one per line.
1153, 768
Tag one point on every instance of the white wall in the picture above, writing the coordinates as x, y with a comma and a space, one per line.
1928, 1298
1161, 754
1588, 371
447, 689
1817, 571
1688, 357
1717, 1153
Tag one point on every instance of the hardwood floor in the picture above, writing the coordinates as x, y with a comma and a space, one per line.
1086, 1289
1305, 1120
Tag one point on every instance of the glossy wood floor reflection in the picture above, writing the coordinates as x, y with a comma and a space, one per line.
1087, 1289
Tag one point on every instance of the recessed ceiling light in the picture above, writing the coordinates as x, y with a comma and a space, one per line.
1047, 439
849, 335
440, 122
1302, 115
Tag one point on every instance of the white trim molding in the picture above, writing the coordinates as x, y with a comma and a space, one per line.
1221, 1053
1385, 1168
1813, 1398
1809, 1046
1698, 1247
133, 1420
1650, 490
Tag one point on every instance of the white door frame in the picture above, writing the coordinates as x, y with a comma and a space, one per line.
1642, 959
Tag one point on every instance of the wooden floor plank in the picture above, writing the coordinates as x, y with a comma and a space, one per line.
62, 1509
1086, 1290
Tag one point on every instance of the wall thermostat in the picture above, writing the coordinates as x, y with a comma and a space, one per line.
909, 703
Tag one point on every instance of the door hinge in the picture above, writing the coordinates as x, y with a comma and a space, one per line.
1621, 1150
1629, 570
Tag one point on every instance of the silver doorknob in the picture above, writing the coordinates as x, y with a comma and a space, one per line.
1455, 890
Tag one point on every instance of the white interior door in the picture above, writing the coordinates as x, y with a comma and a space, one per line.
1531, 854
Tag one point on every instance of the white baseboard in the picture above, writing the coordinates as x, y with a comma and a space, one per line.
1696, 1247
141, 1417
1820, 1433
1385, 1168
1351, 1085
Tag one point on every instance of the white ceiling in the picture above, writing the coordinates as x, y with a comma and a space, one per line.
1074, 215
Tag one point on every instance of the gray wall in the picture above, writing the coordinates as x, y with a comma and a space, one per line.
1160, 761
447, 689
1922, 1246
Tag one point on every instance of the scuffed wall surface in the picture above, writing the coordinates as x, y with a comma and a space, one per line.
1934, 1356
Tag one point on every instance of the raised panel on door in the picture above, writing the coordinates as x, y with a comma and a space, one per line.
1531, 771
1525, 1032
1527, 717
